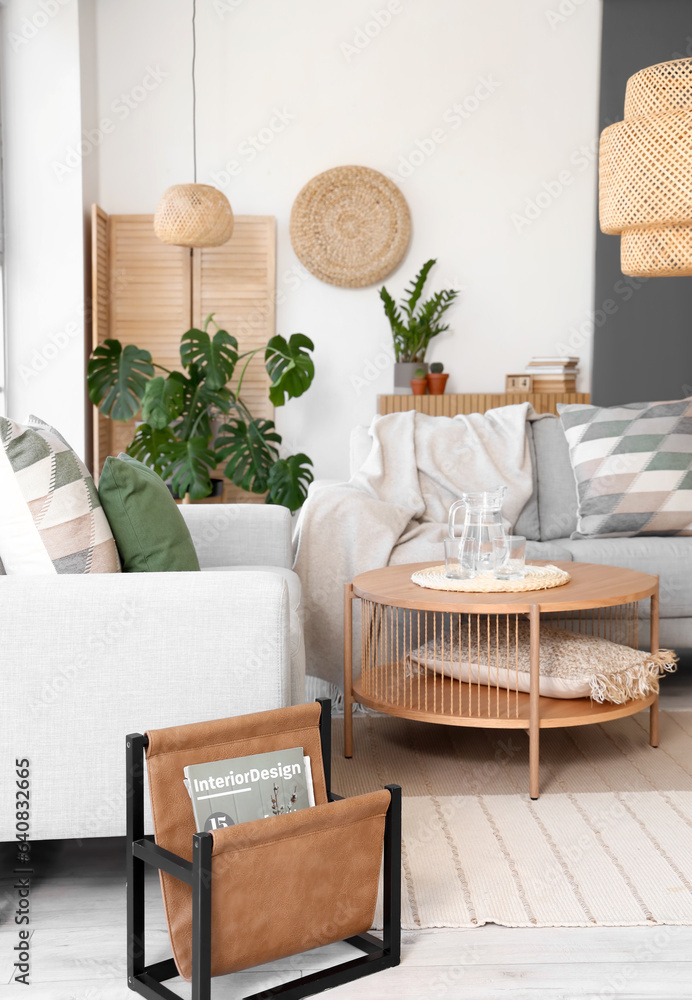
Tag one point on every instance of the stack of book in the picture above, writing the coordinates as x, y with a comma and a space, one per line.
553, 374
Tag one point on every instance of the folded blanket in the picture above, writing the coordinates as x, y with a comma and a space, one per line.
572, 665
417, 466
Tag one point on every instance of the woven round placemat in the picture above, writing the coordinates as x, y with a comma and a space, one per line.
537, 578
350, 226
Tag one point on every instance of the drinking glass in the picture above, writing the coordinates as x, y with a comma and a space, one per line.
509, 554
460, 558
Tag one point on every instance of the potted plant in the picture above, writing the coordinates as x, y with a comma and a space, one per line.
419, 382
414, 324
437, 379
193, 420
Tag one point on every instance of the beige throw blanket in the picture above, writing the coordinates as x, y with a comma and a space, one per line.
394, 509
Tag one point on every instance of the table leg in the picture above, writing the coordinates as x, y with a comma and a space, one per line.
653, 723
653, 710
534, 705
348, 670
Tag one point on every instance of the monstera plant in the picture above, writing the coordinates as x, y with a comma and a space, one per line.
192, 421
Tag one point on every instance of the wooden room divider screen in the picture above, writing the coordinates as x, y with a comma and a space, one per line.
149, 294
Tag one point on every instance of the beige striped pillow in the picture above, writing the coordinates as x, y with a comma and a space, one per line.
51, 519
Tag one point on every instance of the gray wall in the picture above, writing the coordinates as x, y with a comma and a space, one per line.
643, 351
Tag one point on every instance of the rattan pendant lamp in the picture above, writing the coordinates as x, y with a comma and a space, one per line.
194, 215
646, 173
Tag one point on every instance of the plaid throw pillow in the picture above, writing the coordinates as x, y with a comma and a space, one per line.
633, 467
51, 519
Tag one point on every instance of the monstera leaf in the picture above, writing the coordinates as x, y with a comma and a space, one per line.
189, 464
117, 378
289, 479
251, 449
290, 367
163, 399
200, 406
215, 357
149, 444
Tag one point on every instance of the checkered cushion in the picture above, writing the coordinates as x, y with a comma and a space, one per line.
51, 519
633, 467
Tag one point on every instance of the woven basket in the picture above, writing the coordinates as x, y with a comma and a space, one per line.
350, 226
537, 578
193, 215
646, 173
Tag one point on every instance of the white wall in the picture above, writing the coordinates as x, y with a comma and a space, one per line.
524, 286
44, 280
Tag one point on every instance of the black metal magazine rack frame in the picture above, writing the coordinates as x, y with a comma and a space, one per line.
148, 980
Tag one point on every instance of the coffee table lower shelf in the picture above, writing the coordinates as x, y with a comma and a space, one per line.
437, 700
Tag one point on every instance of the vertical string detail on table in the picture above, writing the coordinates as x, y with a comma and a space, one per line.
469, 619
425, 625
434, 663
497, 666
516, 666
507, 658
478, 663
399, 664
459, 689
489, 677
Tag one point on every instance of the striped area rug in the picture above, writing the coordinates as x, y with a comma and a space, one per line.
608, 843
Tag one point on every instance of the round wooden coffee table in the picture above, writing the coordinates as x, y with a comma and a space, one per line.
398, 617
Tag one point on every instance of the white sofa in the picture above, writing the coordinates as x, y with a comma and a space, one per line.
88, 659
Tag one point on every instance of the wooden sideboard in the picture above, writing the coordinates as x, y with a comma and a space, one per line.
449, 404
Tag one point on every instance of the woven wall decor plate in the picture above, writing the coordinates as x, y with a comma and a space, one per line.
537, 578
350, 226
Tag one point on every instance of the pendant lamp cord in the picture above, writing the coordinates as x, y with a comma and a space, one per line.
194, 93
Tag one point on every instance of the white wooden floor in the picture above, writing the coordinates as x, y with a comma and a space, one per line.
78, 943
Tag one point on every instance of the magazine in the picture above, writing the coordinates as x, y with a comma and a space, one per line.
226, 792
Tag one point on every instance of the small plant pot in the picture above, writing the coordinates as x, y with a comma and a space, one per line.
404, 371
436, 382
418, 386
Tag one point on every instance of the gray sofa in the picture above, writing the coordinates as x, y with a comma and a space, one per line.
550, 517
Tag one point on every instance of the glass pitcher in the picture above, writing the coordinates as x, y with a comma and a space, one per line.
482, 523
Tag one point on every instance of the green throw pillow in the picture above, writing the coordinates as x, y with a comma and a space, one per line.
149, 530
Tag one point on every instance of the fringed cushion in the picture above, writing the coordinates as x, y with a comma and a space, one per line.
572, 665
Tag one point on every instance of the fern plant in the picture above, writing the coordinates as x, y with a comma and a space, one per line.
196, 419
414, 325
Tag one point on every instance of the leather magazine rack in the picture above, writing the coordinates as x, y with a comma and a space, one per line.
266, 889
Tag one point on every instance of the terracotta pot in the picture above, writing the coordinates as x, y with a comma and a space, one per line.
404, 371
418, 386
437, 382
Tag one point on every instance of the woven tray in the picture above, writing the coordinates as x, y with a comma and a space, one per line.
537, 578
